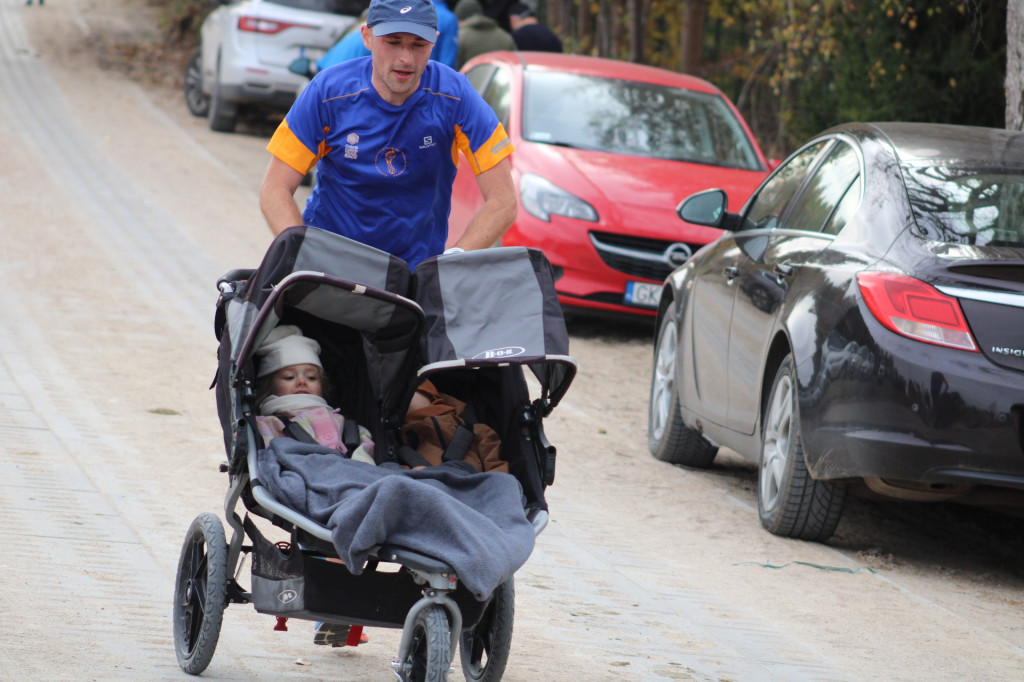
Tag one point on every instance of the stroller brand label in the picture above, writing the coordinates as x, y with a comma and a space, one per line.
287, 596
498, 353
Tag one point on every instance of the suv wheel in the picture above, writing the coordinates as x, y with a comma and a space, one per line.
197, 101
223, 114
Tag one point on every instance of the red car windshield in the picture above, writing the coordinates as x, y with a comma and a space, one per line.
958, 205
637, 119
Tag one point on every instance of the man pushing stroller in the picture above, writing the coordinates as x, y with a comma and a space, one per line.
381, 181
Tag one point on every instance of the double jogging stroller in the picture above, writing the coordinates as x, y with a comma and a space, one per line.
470, 323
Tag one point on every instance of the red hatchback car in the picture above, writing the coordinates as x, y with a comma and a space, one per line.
605, 151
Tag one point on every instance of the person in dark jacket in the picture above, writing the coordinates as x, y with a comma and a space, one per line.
529, 33
479, 33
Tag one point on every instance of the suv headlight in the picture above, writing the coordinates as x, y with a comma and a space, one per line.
542, 199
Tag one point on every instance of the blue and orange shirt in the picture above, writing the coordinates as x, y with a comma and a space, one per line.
386, 172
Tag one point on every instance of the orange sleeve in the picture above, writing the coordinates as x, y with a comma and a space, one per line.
287, 147
496, 148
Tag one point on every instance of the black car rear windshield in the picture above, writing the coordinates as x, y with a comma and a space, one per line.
348, 7
957, 205
638, 119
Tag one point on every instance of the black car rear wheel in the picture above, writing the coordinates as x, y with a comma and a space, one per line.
484, 649
200, 593
667, 437
197, 101
790, 502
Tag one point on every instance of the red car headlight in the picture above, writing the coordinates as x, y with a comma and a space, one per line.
542, 199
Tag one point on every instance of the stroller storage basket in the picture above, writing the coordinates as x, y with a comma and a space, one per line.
308, 586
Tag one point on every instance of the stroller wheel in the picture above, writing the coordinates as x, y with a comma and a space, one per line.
484, 649
200, 593
430, 656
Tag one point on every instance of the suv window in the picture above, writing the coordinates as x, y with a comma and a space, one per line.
352, 8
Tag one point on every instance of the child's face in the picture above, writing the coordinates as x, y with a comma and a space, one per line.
297, 379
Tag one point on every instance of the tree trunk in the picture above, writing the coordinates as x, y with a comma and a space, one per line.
1015, 65
692, 36
634, 10
605, 24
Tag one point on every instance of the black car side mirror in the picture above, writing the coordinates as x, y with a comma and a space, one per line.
709, 208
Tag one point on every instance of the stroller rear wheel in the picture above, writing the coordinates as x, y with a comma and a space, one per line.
484, 649
200, 593
430, 656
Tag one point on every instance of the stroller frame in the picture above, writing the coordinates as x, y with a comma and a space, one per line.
426, 598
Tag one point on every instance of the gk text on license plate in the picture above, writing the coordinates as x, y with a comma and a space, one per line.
642, 293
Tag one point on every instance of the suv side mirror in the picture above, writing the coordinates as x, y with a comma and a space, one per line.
303, 66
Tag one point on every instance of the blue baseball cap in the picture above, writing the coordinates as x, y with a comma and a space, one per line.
417, 17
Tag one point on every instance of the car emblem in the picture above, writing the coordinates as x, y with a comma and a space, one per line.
677, 254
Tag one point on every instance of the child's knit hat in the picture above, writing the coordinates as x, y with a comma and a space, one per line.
285, 346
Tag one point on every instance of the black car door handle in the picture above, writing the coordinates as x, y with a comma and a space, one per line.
731, 272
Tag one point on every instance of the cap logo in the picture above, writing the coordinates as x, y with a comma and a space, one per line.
405, 10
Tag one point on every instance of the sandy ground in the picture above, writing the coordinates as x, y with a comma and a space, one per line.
118, 211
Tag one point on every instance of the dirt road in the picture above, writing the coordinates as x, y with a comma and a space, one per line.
118, 211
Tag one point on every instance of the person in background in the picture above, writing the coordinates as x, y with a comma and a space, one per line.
446, 49
348, 47
478, 33
529, 33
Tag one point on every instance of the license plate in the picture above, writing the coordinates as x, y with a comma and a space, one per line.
643, 294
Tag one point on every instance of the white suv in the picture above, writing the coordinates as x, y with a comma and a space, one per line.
246, 47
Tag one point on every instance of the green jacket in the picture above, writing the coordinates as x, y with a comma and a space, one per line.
480, 34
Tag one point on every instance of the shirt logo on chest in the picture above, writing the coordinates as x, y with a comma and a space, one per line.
352, 146
390, 162
428, 142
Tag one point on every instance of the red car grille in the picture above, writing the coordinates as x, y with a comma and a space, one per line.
641, 257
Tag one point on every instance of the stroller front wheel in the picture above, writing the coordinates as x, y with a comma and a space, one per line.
200, 593
484, 649
429, 658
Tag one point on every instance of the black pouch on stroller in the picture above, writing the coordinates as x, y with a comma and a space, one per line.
298, 584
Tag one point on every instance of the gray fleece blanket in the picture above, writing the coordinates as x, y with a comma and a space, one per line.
474, 522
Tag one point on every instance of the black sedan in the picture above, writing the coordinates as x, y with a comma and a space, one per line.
862, 319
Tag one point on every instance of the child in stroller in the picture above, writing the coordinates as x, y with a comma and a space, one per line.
456, 537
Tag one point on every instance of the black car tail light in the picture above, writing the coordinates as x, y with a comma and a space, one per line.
915, 310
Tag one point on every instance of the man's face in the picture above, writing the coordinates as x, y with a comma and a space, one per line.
398, 63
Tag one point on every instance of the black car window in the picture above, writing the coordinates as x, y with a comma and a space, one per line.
777, 193
977, 206
825, 189
499, 95
348, 7
848, 205
635, 119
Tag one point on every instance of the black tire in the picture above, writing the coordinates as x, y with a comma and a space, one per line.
790, 502
430, 655
200, 593
223, 114
196, 100
484, 649
667, 437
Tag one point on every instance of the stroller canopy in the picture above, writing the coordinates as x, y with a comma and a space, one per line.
494, 307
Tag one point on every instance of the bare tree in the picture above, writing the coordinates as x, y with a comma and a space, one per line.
692, 36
